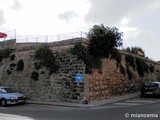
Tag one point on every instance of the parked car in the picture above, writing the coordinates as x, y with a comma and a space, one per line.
150, 88
9, 96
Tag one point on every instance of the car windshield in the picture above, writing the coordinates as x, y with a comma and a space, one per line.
151, 84
8, 90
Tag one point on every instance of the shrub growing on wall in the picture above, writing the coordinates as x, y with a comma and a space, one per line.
20, 65
46, 58
35, 75
12, 66
157, 71
130, 61
9, 72
83, 54
5, 53
37, 65
115, 54
122, 70
142, 67
130, 76
12, 57
151, 68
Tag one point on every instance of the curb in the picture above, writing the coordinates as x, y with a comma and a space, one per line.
90, 105
115, 99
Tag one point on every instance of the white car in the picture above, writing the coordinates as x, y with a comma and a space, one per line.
9, 96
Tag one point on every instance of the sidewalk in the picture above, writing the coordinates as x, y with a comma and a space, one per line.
93, 104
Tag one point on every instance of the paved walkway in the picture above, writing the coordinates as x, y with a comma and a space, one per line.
130, 102
93, 104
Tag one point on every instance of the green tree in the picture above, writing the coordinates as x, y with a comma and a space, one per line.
103, 40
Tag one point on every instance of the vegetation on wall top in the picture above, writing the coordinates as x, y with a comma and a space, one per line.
102, 43
103, 40
135, 50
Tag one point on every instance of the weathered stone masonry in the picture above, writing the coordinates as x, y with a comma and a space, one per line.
111, 82
57, 87
62, 86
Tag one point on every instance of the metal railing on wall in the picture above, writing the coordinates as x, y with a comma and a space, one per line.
49, 38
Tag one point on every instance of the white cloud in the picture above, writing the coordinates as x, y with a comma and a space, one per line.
8, 9
110, 12
129, 32
16, 5
68, 15
124, 21
2, 21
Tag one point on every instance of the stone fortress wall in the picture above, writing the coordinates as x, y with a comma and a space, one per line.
62, 85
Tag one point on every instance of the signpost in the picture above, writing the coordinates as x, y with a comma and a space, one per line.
78, 77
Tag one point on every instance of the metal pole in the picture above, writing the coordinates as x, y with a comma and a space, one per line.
15, 38
81, 34
27, 38
58, 37
47, 39
15, 34
4, 42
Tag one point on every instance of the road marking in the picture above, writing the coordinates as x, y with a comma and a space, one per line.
13, 117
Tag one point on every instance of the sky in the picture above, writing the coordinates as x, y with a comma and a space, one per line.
137, 19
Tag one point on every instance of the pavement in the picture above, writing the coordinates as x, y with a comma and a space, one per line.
90, 105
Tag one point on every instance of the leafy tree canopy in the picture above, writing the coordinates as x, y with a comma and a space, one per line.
103, 40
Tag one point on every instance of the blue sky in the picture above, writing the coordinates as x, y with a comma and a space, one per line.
137, 19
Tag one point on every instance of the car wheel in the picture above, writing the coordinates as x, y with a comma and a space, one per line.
143, 94
3, 102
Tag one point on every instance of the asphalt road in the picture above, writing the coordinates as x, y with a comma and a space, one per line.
132, 109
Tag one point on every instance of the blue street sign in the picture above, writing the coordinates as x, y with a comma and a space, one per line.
78, 78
